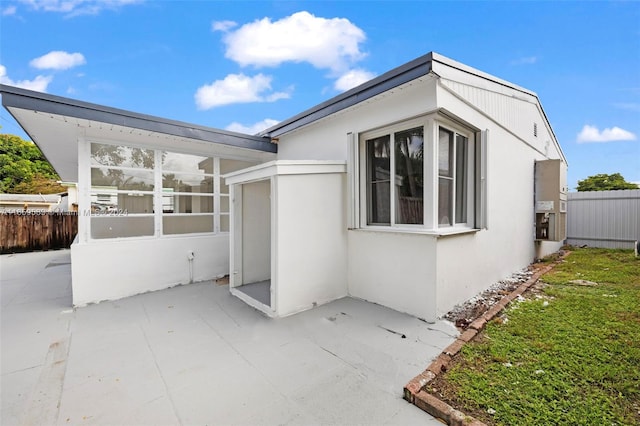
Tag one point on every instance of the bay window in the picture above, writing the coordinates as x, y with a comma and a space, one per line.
418, 175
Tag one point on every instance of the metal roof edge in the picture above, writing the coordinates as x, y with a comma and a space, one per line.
14, 97
438, 58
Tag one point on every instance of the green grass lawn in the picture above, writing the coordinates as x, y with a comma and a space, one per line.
568, 354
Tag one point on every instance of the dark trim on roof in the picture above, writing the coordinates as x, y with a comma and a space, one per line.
14, 97
394, 78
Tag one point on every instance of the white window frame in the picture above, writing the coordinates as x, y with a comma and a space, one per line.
449, 125
431, 125
362, 155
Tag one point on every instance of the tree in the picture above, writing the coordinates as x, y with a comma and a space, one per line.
23, 168
605, 182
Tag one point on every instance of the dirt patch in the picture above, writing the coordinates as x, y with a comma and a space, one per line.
464, 314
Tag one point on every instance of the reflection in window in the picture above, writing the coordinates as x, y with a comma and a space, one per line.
138, 180
121, 226
228, 166
452, 178
409, 171
176, 162
178, 203
187, 224
461, 178
445, 176
125, 186
187, 183
378, 179
121, 156
224, 223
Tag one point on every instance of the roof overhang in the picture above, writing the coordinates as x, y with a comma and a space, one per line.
55, 124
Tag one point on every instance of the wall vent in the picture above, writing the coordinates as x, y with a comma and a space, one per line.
535, 130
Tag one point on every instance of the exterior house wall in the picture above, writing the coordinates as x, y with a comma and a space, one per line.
394, 269
367, 278
311, 261
426, 275
327, 139
468, 264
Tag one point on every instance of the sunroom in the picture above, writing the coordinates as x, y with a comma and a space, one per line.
153, 210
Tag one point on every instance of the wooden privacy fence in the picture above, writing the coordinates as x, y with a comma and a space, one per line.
607, 219
29, 231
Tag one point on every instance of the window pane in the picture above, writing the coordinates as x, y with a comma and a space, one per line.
186, 224
125, 226
224, 204
224, 223
378, 179
187, 183
461, 179
228, 166
109, 202
123, 156
174, 203
445, 151
444, 200
140, 180
409, 150
175, 162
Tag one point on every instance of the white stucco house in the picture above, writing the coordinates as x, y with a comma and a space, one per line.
415, 190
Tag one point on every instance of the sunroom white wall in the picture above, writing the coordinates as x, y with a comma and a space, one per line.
113, 269
165, 253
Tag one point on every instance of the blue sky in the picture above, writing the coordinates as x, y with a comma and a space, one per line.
245, 65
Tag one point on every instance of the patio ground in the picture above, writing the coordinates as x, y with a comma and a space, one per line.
196, 355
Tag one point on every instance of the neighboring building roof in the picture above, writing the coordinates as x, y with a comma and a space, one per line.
31, 198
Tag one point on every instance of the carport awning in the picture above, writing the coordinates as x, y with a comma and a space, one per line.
55, 124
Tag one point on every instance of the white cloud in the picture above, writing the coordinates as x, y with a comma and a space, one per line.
629, 106
58, 60
352, 78
223, 26
9, 10
252, 129
77, 7
237, 88
332, 44
592, 134
39, 84
525, 60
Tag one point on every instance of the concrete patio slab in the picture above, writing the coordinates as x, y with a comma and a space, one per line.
197, 355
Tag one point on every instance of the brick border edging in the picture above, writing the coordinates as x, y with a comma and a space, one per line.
413, 391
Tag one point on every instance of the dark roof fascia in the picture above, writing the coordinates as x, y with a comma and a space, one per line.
394, 78
14, 97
